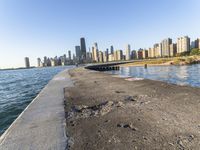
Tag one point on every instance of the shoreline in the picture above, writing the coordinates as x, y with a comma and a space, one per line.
99, 113
42, 124
178, 61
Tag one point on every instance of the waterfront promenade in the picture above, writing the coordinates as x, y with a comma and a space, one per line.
42, 124
82, 109
108, 112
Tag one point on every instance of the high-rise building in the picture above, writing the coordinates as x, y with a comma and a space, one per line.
118, 55
83, 48
183, 44
100, 56
128, 50
115, 56
198, 43
140, 54
53, 62
95, 52
158, 49
151, 52
111, 57
111, 49
105, 56
27, 63
133, 54
69, 55
88, 57
165, 47
145, 54
39, 63
173, 49
45, 62
64, 60
78, 53
195, 43
74, 57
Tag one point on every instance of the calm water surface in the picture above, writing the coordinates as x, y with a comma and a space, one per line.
181, 75
18, 88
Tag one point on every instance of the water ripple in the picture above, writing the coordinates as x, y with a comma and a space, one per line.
18, 88
181, 75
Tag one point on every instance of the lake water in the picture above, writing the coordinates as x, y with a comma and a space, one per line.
18, 88
181, 75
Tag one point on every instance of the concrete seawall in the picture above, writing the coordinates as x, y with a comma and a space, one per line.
42, 124
108, 112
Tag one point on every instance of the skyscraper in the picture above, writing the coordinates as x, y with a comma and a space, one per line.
140, 54
166, 47
39, 62
173, 49
78, 52
158, 49
100, 56
69, 55
133, 54
105, 56
63, 60
45, 62
151, 53
27, 63
111, 49
118, 55
145, 54
83, 48
88, 57
95, 52
128, 50
183, 44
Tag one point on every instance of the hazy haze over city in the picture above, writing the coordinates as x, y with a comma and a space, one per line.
37, 28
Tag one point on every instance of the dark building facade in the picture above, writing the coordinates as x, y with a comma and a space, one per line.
69, 55
83, 48
111, 49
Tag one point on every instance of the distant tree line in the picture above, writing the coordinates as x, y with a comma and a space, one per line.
194, 51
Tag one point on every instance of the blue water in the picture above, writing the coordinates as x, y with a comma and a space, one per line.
181, 75
18, 88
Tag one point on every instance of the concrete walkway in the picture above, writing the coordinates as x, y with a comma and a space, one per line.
42, 125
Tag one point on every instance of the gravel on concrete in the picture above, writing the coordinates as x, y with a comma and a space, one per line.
105, 112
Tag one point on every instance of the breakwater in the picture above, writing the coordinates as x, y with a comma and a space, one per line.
106, 66
18, 88
42, 124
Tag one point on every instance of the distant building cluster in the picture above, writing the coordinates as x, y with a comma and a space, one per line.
166, 48
56, 61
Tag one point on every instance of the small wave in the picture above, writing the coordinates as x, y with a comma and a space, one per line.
18, 88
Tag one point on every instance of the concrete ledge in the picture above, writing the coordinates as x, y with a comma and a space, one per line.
42, 124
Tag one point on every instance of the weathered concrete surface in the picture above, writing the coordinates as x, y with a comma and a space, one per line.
42, 125
111, 113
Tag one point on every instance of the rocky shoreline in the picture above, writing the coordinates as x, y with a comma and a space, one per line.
105, 112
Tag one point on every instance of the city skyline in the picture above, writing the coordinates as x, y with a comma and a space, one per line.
166, 48
35, 29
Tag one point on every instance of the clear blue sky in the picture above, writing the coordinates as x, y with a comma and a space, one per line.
36, 28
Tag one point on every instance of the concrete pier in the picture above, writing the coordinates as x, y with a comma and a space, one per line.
105, 66
42, 124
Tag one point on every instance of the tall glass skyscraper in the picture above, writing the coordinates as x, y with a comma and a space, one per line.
83, 48
111, 49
